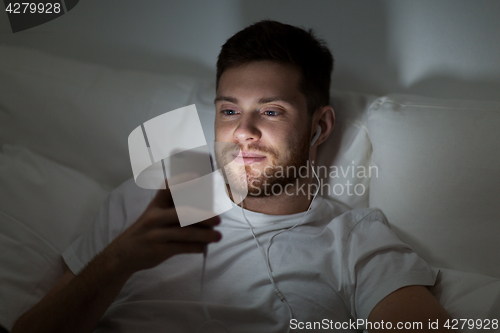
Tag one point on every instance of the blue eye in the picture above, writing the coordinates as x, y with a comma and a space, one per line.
228, 112
271, 113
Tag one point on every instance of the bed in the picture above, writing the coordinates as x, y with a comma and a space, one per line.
64, 124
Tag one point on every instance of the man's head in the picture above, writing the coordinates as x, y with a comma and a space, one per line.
287, 45
272, 92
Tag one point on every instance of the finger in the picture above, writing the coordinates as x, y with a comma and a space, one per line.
168, 218
179, 247
163, 198
186, 234
160, 217
189, 215
208, 223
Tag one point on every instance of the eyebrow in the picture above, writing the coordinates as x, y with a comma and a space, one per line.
225, 98
260, 101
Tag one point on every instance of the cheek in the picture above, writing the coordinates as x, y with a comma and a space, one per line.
285, 138
223, 132
294, 143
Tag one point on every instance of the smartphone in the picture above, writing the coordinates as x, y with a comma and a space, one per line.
195, 193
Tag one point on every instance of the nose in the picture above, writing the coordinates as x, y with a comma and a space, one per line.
247, 131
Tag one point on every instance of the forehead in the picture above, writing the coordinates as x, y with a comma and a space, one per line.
260, 80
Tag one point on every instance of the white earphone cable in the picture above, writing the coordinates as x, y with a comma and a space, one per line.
296, 224
265, 256
278, 293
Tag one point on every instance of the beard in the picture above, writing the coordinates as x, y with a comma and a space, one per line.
261, 183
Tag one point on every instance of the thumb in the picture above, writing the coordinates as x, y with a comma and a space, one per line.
163, 197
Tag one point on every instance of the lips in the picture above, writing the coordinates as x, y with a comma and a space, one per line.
248, 158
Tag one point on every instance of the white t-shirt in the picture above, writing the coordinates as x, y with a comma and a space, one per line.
335, 266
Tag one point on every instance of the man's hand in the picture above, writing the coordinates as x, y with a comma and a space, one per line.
157, 236
76, 303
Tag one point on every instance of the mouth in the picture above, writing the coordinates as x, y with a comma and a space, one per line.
248, 158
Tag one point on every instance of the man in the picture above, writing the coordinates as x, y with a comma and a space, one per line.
284, 262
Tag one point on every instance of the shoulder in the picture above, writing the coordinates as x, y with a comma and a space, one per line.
363, 215
352, 221
364, 231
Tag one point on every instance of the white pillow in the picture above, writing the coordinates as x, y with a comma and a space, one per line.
81, 114
439, 177
44, 206
346, 153
469, 296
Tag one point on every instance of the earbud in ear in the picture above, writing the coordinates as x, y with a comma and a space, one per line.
316, 136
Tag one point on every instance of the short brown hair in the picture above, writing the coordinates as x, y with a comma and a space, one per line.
286, 44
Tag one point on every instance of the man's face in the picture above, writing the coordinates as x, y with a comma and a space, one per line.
259, 108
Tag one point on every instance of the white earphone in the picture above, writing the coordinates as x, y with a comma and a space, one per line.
316, 136
265, 255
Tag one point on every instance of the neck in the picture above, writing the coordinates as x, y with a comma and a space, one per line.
296, 199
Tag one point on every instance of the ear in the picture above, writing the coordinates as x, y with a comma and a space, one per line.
325, 118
